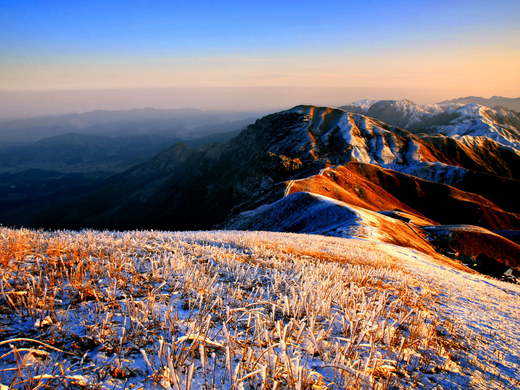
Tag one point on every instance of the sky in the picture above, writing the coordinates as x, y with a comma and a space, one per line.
74, 56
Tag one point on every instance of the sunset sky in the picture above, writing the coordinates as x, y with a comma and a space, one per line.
66, 56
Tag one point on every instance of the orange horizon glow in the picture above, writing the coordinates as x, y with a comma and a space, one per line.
233, 55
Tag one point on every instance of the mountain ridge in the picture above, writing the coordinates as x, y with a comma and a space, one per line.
465, 121
255, 167
174, 123
511, 103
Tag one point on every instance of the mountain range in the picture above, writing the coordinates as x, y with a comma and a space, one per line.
391, 171
453, 119
512, 104
45, 162
174, 123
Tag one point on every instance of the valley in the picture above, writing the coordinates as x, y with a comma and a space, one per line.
51, 161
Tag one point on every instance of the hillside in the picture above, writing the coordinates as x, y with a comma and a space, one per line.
58, 170
247, 310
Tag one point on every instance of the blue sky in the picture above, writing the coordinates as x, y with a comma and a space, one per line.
430, 49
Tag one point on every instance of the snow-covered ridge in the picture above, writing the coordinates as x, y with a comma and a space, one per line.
474, 120
364, 140
409, 113
370, 141
439, 108
450, 119
330, 217
364, 104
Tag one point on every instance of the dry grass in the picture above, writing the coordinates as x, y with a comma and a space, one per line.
212, 310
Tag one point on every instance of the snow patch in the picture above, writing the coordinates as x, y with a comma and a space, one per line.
364, 104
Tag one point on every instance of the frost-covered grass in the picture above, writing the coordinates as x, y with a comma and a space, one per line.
237, 310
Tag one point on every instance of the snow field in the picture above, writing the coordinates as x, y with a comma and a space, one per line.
237, 310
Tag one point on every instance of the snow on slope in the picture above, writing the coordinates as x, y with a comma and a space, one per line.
364, 104
439, 108
486, 311
246, 310
436, 172
364, 140
369, 141
461, 121
475, 120
305, 212
401, 113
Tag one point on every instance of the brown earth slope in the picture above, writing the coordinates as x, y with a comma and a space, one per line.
376, 188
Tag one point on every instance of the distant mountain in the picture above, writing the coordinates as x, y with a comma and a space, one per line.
511, 104
25, 193
178, 123
400, 113
451, 119
473, 120
360, 106
57, 170
86, 153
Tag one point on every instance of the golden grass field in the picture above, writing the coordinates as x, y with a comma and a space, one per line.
245, 310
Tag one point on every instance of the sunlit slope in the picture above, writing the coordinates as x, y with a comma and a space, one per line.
378, 189
306, 212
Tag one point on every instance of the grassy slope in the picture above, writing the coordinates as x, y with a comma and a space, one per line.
246, 310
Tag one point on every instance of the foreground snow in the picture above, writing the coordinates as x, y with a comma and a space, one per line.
246, 310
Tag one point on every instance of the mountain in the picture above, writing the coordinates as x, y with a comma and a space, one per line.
175, 123
309, 213
45, 174
511, 104
386, 178
32, 192
306, 212
400, 113
257, 166
465, 121
473, 120
86, 153
375, 188
24, 194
